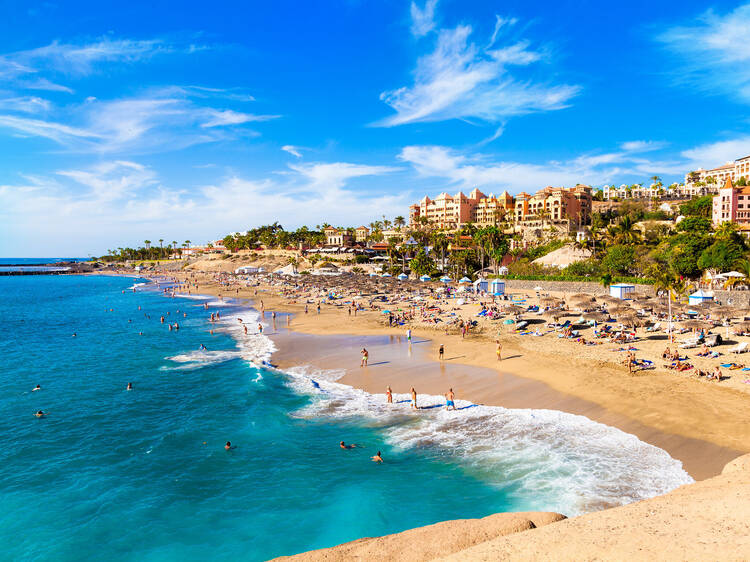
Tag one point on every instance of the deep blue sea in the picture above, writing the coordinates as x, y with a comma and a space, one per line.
113, 475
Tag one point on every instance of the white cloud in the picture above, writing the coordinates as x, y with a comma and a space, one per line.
25, 104
714, 52
642, 146
151, 123
79, 60
293, 150
119, 203
458, 80
423, 19
219, 118
466, 171
715, 154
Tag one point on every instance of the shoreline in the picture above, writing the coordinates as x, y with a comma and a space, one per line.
703, 426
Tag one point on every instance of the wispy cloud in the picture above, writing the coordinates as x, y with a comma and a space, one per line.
460, 80
714, 154
25, 104
293, 150
151, 123
219, 118
79, 60
121, 196
464, 170
423, 19
713, 52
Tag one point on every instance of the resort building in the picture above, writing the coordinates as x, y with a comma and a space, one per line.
716, 177
453, 211
555, 204
337, 237
361, 234
732, 204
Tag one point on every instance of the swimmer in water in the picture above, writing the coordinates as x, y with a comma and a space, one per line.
40, 414
377, 458
229, 446
345, 446
130, 386
203, 348
37, 387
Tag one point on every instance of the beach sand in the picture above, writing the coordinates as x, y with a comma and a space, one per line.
681, 414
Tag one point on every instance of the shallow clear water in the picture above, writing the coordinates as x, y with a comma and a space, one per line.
143, 475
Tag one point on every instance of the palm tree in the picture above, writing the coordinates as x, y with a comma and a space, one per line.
161, 247
625, 231
399, 222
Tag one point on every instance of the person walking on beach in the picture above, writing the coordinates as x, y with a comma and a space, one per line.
414, 399
498, 349
449, 400
389, 395
365, 356
408, 335
260, 328
441, 352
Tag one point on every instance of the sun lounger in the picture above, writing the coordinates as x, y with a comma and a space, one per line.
739, 348
688, 344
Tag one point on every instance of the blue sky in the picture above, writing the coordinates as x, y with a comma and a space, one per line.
191, 120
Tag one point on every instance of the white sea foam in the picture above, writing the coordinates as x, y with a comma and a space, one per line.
545, 459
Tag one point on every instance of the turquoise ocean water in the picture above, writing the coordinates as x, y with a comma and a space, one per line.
143, 475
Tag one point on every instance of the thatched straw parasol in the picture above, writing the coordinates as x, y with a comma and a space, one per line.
595, 317
550, 301
513, 309
609, 299
694, 324
741, 328
630, 319
618, 309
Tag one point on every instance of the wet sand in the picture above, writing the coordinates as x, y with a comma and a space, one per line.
393, 361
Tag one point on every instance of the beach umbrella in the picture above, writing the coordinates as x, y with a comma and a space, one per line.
553, 315
424, 278
695, 324
386, 275
513, 309
741, 328
445, 279
608, 299
619, 309
550, 301
402, 277
464, 280
630, 319
580, 296
595, 317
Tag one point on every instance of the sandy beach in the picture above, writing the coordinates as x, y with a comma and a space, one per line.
701, 423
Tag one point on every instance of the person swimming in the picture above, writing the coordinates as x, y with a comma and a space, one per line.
40, 414
345, 446
229, 446
377, 458
37, 387
130, 386
203, 348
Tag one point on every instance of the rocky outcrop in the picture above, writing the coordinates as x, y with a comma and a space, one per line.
433, 541
707, 520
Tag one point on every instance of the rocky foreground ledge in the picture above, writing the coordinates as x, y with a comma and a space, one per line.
707, 520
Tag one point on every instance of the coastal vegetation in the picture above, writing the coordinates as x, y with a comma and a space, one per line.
626, 243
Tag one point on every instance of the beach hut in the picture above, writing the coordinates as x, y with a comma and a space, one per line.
245, 269
480, 285
402, 277
621, 290
445, 279
700, 296
503, 270
425, 278
464, 280
497, 287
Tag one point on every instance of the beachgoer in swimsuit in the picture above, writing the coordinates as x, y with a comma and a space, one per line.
389, 395
414, 399
449, 399
345, 446
228, 445
130, 386
365, 357
37, 387
441, 352
377, 458
498, 349
40, 414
